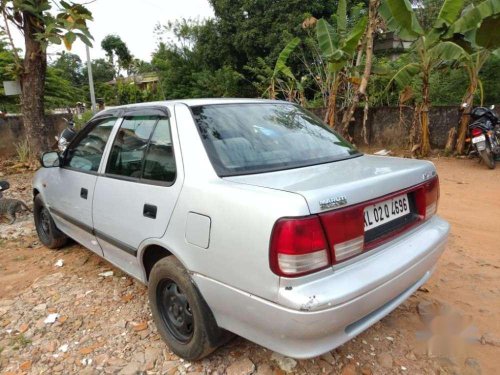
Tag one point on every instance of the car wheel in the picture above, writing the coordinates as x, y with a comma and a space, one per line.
182, 316
48, 233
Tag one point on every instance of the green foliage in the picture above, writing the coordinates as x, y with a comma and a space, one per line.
68, 25
70, 66
59, 91
118, 53
7, 62
258, 28
82, 119
491, 83
191, 67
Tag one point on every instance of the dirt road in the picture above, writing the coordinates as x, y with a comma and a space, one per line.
104, 324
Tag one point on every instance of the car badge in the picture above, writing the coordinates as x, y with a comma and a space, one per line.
333, 202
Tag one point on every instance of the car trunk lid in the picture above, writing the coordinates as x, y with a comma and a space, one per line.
360, 202
347, 182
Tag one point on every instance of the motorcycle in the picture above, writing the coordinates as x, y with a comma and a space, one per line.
66, 136
484, 132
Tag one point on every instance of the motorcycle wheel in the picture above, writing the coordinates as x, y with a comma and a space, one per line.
488, 157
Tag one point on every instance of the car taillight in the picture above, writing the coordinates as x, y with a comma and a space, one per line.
476, 132
431, 198
298, 247
428, 198
345, 231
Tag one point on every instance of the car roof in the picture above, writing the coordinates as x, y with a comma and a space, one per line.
188, 102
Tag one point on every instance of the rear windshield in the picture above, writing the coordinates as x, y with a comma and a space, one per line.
261, 137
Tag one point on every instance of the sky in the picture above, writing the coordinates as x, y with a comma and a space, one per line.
134, 22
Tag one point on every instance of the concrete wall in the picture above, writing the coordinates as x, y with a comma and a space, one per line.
385, 129
12, 132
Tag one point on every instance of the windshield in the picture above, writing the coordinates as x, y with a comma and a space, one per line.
262, 137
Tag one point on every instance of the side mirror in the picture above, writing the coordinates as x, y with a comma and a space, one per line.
492, 107
50, 159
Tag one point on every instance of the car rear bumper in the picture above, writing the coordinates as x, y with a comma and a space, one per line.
329, 311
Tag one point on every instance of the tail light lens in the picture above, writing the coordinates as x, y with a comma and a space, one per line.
298, 247
427, 198
476, 132
431, 198
345, 231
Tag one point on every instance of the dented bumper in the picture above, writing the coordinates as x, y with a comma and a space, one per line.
317, 315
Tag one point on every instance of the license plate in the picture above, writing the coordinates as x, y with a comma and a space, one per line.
386, 211
481, 138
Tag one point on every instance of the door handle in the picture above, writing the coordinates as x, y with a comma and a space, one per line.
84, 193
150, 211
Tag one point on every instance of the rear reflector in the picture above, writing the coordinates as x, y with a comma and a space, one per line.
476, 132
298, 247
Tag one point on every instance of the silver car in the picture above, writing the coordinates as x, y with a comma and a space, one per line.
244, 216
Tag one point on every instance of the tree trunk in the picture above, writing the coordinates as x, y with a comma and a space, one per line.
33, 87
465, 119
361, 91
332, 103
424, 116
450, 142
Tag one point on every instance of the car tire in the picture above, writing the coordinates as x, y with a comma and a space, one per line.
47, 231
182, 317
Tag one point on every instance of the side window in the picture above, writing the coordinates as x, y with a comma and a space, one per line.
130, 145
159, 162
86, 154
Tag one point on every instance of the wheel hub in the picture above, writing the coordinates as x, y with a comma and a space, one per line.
175, 310
45, 220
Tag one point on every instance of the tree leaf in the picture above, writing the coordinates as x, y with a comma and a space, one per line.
54, 40
69, 39
342, 17
488, 34
401, 19
447, 51
280, 65
350, 44
326, 38
404, 76
473, 16
449, 12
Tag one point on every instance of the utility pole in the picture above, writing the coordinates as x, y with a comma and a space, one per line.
91, 81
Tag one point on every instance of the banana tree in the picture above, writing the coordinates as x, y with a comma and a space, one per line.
429, 50
478, 30
362, 87
337, 48
273, 80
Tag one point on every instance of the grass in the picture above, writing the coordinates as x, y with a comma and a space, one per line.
23, 151
19, 342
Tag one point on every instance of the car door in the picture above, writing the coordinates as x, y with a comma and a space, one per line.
136, 195
70, 190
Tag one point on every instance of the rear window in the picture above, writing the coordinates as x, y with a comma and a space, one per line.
262, 137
